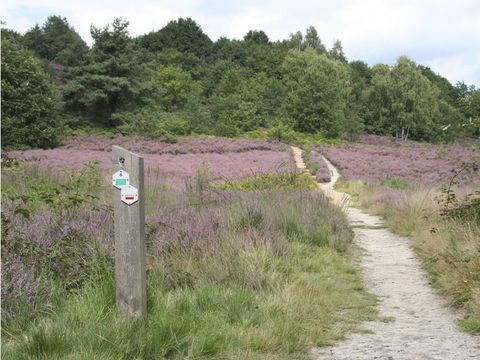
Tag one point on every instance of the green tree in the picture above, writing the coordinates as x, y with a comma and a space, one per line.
225, 100
57, 41
184, 35
12, 35
379, 101
177, 87
474, 118
33, 40
266, 93
231, 50
318, 89
451, 122
404, 103
357, 106
361, 77
111, 81
312, 40
29, 100
257, 37
336, 52
264, 58
189, 62
468, 102
296, 41
448, 92
216, 73
252, 103
414, 102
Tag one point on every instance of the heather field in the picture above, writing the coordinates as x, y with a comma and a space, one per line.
375, 159
253, 267
171, 163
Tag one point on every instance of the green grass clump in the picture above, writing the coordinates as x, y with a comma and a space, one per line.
396, 183
311, 164
263, 182
471, 324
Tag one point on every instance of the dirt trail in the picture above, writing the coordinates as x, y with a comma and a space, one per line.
418, 324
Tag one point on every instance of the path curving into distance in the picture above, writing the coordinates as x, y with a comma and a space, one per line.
420, 325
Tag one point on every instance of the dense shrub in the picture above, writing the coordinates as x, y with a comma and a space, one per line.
30, 100
282, 132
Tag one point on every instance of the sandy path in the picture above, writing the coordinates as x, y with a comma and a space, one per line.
420, 324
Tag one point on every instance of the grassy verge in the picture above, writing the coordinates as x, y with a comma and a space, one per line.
231, 274
299, 308
448, 246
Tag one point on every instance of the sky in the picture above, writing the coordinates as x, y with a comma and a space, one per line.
441, 34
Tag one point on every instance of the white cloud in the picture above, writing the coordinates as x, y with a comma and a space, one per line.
440, 33
458, 67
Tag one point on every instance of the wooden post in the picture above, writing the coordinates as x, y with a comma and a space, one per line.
130, 257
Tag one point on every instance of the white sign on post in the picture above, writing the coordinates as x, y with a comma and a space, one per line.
121, 179
129, 194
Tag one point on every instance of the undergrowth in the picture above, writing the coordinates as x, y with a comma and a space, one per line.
264, 273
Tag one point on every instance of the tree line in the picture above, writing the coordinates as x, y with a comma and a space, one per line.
177, 81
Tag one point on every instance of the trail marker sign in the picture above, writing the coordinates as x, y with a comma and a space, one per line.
129, 194
121, 179
129, 219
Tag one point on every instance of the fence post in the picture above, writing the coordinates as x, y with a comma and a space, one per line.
130, 252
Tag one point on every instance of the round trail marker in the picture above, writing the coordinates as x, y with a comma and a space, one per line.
121, 179
129, 194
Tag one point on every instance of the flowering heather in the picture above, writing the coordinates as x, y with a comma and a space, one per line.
376, 158
175, 163
185, 145
66, 243
186, 227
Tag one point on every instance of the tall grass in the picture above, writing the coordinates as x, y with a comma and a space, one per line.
231, 274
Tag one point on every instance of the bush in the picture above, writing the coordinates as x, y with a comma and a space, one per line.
282, 132
255, 135
226, 130
29, 100
154, 123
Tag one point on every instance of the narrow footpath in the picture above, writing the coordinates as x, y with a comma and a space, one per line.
417, 322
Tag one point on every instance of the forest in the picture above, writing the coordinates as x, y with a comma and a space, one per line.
177, 81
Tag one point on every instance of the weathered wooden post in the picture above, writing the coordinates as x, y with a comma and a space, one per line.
130, 257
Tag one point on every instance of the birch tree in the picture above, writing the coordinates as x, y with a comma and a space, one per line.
414, 101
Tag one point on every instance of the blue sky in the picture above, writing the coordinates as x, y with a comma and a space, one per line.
442, 34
